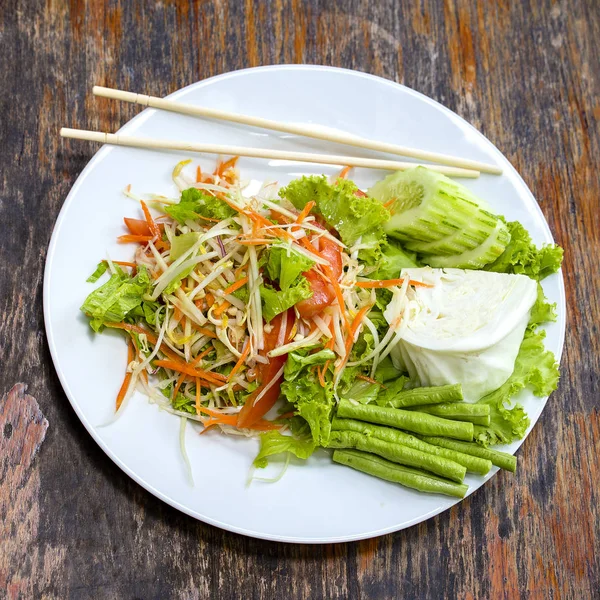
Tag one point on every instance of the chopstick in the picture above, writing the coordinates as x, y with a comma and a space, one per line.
304, 130
326, 159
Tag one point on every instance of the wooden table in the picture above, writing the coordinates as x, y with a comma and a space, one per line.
72, 525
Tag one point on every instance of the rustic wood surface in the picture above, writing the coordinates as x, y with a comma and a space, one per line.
72, 525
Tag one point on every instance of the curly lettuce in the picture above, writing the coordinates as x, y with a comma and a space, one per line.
277, 301
273, 442
351, 215
117, 298
535, 368
195, 204
285, 265
522, 256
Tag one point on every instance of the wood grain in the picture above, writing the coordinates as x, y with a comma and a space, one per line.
524, 73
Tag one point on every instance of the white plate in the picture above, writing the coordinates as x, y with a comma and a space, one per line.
317, 501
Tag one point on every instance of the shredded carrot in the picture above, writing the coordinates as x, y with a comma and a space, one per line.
151, 224
124, 264
221, 308
236, 286
254, 216
371, 380
198, 174
240, 362
198, 407
162, 245
179, 382
254, 242
358, 320
261, 425
201, 356
360, 315
211, 412
389, 203
128, 238
127, 379
287, 415
321, 373
305, 212
344, 172
223, 166
304, 241
383, 283
203, 330
241, 269
281, 219
218, 418
177, 314
338, 294
181, 367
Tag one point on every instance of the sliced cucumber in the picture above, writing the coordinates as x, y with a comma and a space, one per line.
478, 257
433, 215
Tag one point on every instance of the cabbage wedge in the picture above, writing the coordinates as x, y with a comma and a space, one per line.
466, 328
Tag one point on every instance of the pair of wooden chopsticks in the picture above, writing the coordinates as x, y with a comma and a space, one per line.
449, 165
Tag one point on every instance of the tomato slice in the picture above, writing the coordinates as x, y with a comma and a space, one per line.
323, 294
266, 373
137, 226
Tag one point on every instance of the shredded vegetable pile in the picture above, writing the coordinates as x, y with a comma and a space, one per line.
233, 301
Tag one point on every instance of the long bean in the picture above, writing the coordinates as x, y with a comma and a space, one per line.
426, 395
398, 453
407, 476
387, 434
478, 414
417, 422
500, 459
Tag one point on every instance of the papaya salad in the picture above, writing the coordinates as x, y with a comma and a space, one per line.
393, 325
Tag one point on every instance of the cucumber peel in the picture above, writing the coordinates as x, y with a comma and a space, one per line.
440, 219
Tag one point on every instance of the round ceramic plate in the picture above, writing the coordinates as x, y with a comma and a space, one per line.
316, 501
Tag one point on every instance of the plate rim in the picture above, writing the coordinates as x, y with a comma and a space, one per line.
105, 150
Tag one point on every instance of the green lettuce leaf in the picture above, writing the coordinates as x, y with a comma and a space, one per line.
100, 270
242, 294
114, 300
180, 244
350, 215
285, 265
176, 283
536, 368
521, 255
274, 442
361, 391
393, 259
386, 370
542, 310
313, 402
392, 388
146, 311
184, 404
195, 203
276, 301
297, 361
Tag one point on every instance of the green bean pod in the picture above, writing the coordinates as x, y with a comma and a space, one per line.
500, 459
414, 421
478, 414
387, 434
398, 453
427, 395
412, 478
